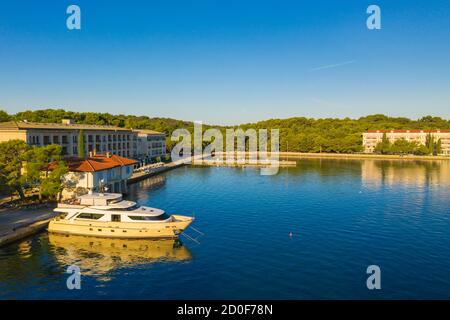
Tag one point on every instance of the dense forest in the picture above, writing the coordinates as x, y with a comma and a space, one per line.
296, 134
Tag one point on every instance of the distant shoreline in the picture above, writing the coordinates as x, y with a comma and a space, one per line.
351, 156
347, 156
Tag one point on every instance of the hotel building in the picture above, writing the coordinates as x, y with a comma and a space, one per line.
373, 137
97, 138
150, 144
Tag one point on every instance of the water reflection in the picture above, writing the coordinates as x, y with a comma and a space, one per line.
99, 256
376, 173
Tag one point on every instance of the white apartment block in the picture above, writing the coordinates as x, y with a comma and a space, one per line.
150, 144
373, 137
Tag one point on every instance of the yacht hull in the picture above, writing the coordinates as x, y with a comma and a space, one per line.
124, 230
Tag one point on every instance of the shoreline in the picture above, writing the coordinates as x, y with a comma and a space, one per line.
350, 156
343, 156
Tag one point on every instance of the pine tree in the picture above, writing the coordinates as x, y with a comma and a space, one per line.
11, 156
81, 150
439, 147
430, 143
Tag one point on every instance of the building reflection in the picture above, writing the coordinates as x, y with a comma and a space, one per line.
99, 256
154, 182
377, 173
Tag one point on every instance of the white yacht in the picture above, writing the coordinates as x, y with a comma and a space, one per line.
108, 215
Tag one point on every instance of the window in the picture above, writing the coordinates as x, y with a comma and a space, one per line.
163, 216
115, 217
124, 209
91, 216
56, 139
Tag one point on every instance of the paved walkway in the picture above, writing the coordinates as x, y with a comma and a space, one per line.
13, 219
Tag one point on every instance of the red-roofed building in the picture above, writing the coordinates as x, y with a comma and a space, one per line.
372, 137
109, 171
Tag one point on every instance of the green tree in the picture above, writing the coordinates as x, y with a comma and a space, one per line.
439, 147
53, 185
383, 147
44, 169
429, 143
81, 147
403, 146
421, 150
4, 116
11, 156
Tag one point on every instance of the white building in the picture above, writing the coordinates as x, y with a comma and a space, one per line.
110, 171
372, 138
150, 144
97, 138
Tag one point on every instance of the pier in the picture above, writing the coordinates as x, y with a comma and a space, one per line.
151, 170
211, 162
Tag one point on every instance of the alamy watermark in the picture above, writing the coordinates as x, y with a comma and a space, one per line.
74, 280
73, 21
374, 20
241, 147
374, 280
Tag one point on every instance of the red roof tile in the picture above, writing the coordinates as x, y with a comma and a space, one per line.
97, 163
406, 131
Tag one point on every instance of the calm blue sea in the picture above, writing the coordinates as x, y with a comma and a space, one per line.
344, 215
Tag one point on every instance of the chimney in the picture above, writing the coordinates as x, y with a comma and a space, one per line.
94, 152
67, 121
90, 154
108, 154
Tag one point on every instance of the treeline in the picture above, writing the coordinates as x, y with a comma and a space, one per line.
165, 125
25, 169
297, 134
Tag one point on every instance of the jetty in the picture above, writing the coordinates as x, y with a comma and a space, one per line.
215, 163
153, 169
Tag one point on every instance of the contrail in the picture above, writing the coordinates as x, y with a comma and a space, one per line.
329, 66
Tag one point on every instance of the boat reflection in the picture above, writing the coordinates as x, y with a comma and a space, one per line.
99, 256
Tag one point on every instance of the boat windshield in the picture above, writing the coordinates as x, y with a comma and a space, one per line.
163, 216
133, 207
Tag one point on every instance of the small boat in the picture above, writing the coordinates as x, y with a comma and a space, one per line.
108, 215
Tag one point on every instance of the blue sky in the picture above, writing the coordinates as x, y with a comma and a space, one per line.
227, 62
